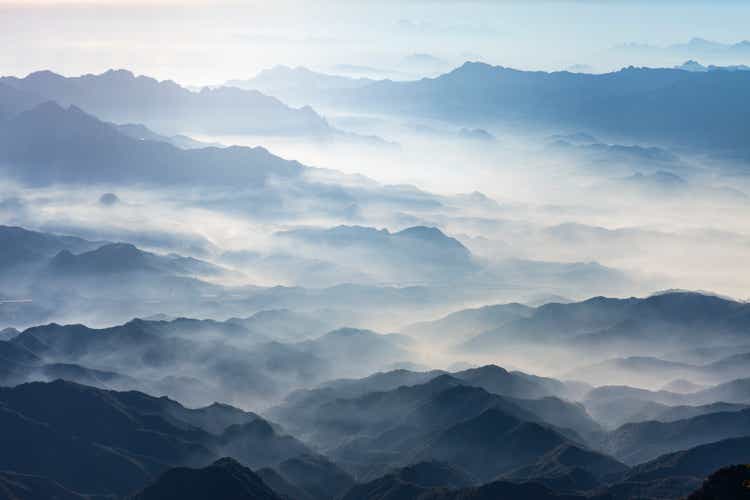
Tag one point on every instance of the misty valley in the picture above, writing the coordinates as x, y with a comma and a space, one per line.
432, 279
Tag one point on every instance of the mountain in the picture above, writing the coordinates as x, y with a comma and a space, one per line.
619, 103
724, 484
638, 442
414, 254
225, 479
632, 325
143, 133
459, 326
118, 258
25, 248
51, 144
570, 468
298, 85
696, 462
676, 475
408, 482
317, 476
491, 443
14, 486
119, 96
122, 440
227, 361
372, 404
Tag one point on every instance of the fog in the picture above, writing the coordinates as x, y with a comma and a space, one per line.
325, 216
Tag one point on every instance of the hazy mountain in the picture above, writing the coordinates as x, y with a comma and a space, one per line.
121, 97
224, 360
692, 65
639, 442
414, 254
298, 85
225, 479
462, 325
658, 322
50, 144
119, 258
25, 248
619, 103
143, 133
309, 410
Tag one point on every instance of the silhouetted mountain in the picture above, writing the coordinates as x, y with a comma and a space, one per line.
675, 475
408, 482
638, 442
122, 440
14, 486
317, 476
491, 444
729, 483
515, 384
570, 468
281, 486
225, 479
119, 96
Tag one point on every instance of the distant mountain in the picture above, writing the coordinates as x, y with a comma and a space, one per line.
118, 258
639, 442
696, 66
143, 133
416, 253
51, 144
619, 103
121, 97
225, 479
633, 325
24, 248
298, 85
462, 325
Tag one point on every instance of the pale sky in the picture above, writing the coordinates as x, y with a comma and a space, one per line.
205, 42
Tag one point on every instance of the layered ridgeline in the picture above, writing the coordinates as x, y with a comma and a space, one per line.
655, 105
443, 438
351, 271
121, 97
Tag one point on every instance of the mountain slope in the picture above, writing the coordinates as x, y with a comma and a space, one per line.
121, 97
225, 479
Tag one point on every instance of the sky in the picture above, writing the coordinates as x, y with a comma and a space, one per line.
207, 42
